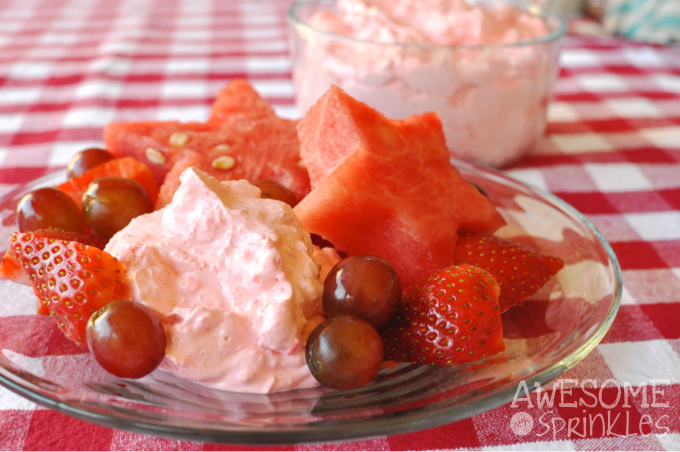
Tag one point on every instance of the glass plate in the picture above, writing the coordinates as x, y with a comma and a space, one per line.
546, 336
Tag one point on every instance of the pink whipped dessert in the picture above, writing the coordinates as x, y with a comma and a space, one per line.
233, 279
486, 68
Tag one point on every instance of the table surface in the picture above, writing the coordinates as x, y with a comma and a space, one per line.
67, 67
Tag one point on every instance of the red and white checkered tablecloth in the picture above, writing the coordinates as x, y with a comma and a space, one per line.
67, 67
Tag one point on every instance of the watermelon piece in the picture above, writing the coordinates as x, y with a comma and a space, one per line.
133, 139
386, 187
183, 160
239, 101
128, 167
242, 127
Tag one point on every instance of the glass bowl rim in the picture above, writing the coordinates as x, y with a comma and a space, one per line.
296, 23
339, 432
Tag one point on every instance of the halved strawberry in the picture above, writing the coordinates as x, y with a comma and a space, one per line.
12, 270
520, 272
97, 241
451, 318
123, 167
70, 279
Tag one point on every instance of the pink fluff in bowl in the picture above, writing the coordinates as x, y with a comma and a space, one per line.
486, 67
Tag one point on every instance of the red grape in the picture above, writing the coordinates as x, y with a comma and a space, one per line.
363, 286
273, 190
49, 208
344, 352
110, 203
126, 339
85, 160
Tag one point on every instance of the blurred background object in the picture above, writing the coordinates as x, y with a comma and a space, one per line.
651, 21
566, 8
486, 67
595, 8
654, 21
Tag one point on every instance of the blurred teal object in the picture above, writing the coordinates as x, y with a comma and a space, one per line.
564, 8
652, 21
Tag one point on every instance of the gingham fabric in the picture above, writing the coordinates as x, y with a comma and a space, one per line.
612, 151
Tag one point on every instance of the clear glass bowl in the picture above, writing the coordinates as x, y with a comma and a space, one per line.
546, 336
492, 98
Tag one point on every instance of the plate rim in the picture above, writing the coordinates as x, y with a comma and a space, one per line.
384, 426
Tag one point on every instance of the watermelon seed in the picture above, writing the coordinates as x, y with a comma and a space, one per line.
154, 156
224, 162
178, 139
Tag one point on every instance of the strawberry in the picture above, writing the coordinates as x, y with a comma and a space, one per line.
70, 279
451, 318
97, 241
12, 270
127, 167
520, 272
